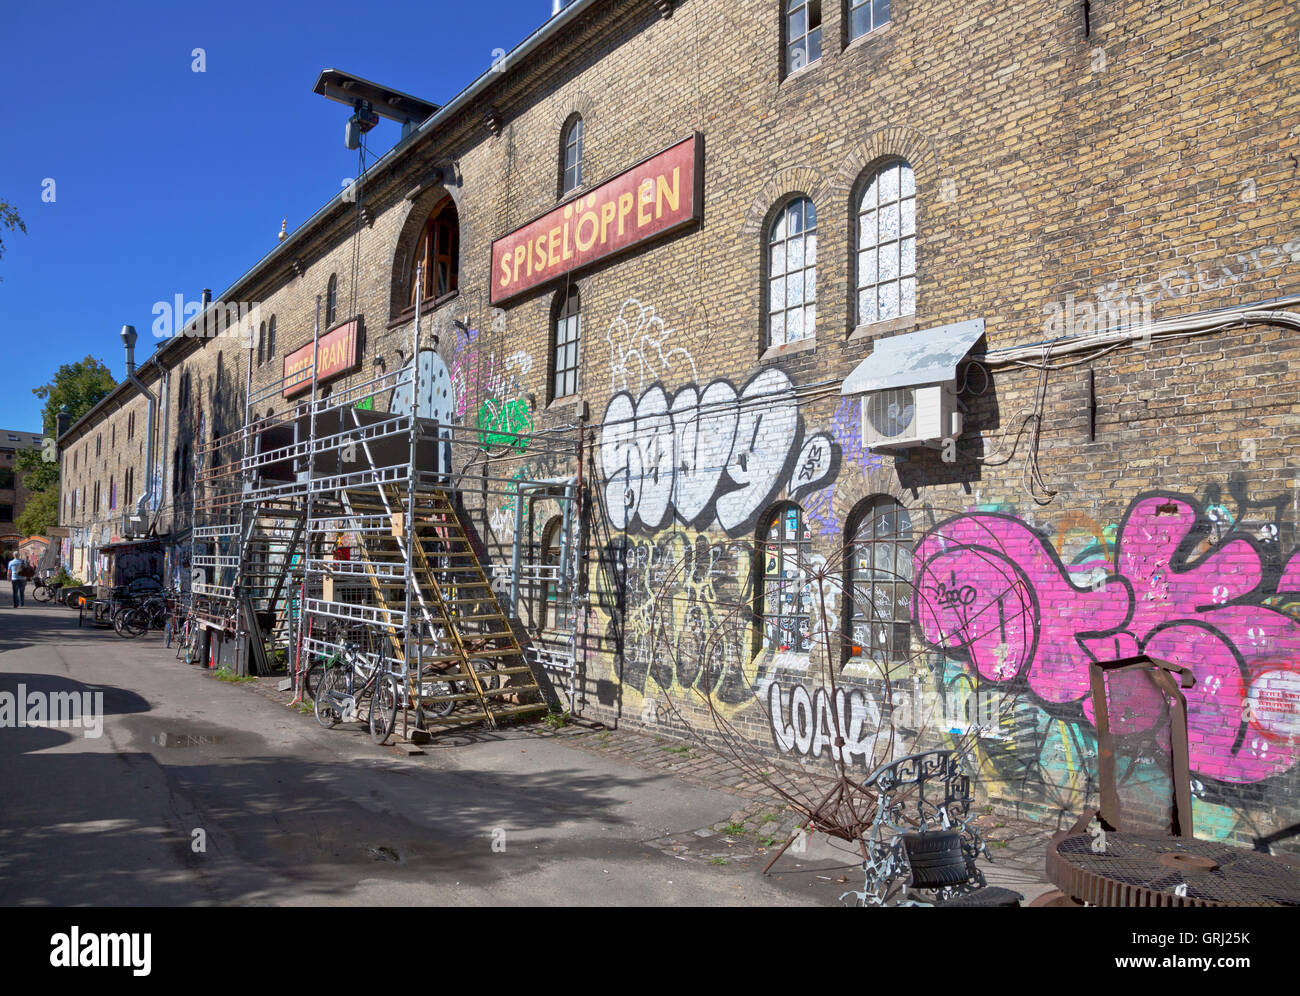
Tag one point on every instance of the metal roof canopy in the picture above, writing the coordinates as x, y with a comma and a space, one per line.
392, 104
929, 356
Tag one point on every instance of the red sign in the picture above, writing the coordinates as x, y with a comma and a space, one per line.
338, 355
658, 195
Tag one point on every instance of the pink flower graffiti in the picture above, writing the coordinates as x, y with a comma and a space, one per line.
990, 589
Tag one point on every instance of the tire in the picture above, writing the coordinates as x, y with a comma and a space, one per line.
936, 859
383, 708
41, 593
132, 623
326, 714
192, 646
433, 687
487, 676
312, 676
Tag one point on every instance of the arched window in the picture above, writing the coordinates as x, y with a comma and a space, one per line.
439, 251
270, 338
549, 609
792, 273
566, 342
571, 156
880, 573
784, 545
803, 33
866, 15
261, 343
332, 300
887, 245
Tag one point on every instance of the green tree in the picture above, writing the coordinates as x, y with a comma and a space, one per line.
9, 219
80, 387
40, 512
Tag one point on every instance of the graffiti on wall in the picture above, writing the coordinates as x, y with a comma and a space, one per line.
674, 604
855, 459
640, 351
802, 722
503, 422
1174, 579
703, 456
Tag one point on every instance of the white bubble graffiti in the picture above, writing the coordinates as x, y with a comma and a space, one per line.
699, 457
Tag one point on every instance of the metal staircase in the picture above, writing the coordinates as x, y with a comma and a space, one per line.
462, 645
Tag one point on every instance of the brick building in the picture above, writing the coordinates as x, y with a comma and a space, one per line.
1085, 223
13, 493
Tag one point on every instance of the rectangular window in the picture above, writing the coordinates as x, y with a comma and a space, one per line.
6, 513
6, 478
866, 15
568, 336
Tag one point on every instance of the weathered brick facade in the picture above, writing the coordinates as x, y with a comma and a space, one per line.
1138, 496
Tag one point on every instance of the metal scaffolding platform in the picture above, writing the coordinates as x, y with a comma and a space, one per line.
345, 524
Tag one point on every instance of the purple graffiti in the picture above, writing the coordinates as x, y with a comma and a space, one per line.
991, 590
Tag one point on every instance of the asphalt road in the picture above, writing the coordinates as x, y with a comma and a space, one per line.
292, 814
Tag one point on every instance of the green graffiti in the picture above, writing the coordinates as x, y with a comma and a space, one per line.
502, 422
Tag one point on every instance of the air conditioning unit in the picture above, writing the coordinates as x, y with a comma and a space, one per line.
901, 417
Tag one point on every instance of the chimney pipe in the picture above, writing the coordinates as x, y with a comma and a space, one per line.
128, 340
207, 297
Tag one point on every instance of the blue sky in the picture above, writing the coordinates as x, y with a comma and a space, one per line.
166, 180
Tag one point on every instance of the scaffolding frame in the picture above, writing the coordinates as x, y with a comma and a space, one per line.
337, 505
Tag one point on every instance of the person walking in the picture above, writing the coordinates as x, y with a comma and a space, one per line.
17, 580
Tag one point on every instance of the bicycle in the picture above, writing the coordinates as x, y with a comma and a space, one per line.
46, 590
177, 621
136, 618
338, 697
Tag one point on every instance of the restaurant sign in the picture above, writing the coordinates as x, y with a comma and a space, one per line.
656, 196
338, 350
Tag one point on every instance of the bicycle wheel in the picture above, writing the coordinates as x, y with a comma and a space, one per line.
41, 593
438, 690
192, 646
169, 631
312, 676
383, 708
326, 713
132, 622
487, 676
